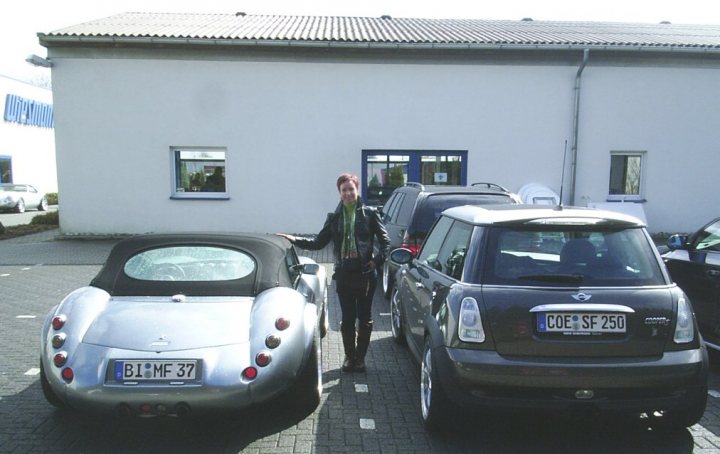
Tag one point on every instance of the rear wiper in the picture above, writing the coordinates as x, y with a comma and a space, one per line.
569, 278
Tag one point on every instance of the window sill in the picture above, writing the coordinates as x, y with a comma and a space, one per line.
200, 196
625, 200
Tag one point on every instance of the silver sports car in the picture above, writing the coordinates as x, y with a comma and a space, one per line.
19, 197
178, 324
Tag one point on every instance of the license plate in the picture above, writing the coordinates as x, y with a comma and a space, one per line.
573, 322
129, 370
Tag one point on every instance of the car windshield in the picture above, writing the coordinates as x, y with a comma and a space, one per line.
190, 263
571, 256
435, 204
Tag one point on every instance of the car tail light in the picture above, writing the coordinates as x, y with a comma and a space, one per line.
282, 323
262, 359
60, 359
684, 328
67, 374
58, 322
250, 373
470, 327
58, 340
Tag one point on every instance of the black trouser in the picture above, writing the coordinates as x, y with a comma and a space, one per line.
355, 293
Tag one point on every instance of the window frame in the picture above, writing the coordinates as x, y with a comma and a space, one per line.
176, 193
640, 196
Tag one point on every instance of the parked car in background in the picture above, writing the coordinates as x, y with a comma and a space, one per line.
19, 197
528, 307
188, 323
412, 209
694, 264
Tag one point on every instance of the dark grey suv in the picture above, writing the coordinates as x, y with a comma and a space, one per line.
548, 309
412, 209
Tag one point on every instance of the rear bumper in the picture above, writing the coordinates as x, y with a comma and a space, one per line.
484, 378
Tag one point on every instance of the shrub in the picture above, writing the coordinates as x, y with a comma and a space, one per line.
52, 198
51, 218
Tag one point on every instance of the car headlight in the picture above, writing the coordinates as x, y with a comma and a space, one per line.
470, 327
684, 327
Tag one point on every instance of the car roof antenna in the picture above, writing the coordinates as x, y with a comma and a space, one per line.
562, 179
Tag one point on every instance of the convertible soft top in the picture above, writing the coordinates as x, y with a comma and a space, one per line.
268, 251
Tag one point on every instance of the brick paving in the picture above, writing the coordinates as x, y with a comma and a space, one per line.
377, 411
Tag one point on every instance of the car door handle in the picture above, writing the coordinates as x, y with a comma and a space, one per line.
712, 273
419, 285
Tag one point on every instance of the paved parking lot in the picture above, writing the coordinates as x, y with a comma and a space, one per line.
377, 411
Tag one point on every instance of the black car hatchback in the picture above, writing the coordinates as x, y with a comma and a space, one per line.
412, 209
548, 309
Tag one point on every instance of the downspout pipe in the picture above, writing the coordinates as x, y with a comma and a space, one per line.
576, 121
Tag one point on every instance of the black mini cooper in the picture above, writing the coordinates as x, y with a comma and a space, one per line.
521, 307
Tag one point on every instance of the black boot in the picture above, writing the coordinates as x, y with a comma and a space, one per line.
363, 342
348, 338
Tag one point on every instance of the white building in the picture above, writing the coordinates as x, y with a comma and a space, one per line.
148, 105
27, 141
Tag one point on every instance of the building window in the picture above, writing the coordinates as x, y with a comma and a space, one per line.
199, 173
626, 175
6, 169
385, 170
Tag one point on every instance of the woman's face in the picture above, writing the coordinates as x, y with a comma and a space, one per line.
348, 193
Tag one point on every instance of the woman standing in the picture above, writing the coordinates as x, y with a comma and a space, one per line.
352, 228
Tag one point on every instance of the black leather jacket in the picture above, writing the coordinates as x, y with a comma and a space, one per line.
368, 226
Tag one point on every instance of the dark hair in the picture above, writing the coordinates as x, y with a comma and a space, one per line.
345, 177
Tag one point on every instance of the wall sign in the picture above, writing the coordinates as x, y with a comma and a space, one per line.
28, 112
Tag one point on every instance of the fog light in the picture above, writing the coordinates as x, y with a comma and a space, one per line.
58, 340
584, 394
272, 341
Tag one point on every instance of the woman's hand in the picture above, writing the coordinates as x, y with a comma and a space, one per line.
290, 238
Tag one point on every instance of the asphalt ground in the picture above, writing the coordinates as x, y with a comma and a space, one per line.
376, 411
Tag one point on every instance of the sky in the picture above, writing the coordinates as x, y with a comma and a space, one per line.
21, 21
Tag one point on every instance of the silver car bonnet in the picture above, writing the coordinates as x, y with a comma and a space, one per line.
169, 324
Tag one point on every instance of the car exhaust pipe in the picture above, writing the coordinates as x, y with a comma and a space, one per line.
123, 411
182, 410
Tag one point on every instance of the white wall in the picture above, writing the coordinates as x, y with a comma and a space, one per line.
31, 148
670, 113
291, 127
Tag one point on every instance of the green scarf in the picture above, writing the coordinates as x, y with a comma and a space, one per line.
348, 245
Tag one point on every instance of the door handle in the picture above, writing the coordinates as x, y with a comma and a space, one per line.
419, 285
713, 273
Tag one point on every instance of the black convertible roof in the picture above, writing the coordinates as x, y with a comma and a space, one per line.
268, 251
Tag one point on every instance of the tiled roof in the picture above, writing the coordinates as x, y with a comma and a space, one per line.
372, 31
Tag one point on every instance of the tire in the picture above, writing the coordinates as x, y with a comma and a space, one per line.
396, 322
20, 207
307, 390
43, 206
434, 405
47, 390
387, 281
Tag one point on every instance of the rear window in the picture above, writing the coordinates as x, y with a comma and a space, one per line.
571, 256
190, 263
433, 206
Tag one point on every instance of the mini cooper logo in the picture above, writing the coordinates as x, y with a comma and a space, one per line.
662, 321
581, 297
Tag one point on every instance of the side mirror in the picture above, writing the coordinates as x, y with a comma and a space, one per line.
401, 256
677, 241
310, 268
